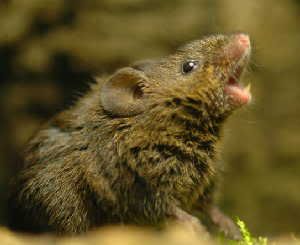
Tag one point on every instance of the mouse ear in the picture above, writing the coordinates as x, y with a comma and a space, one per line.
122, 95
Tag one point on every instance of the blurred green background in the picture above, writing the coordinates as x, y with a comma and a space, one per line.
50, 48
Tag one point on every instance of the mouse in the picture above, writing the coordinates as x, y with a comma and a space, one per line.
141, 147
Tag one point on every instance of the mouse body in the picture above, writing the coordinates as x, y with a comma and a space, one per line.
140, 148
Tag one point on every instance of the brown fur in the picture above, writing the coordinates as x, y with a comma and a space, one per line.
144, 157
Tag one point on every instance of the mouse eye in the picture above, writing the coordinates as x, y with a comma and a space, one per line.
189, 66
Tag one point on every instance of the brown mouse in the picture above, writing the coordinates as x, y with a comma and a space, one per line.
141, 147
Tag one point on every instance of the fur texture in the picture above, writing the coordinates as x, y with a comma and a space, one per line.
91, 165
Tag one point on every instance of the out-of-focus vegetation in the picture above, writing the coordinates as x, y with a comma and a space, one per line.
49, 49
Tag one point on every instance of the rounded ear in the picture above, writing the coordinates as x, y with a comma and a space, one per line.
122, 95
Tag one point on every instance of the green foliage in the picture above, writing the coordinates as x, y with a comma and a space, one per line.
247, 238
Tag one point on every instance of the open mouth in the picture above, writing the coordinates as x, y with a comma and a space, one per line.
235, 90
238, 50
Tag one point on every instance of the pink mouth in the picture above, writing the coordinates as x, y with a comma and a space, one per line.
237, 93
238, 50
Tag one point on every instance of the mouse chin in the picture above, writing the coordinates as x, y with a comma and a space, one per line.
237, 94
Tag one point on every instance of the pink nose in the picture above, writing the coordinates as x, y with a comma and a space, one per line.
238, 46
243, 40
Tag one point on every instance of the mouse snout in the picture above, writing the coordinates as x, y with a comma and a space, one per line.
238, 46
242, 40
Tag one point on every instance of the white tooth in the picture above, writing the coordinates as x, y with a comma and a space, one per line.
248, 88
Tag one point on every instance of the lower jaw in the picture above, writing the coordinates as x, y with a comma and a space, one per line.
237, 95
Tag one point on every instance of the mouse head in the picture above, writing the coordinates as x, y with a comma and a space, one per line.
204, 73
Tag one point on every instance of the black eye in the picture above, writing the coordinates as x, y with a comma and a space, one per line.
189, 66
